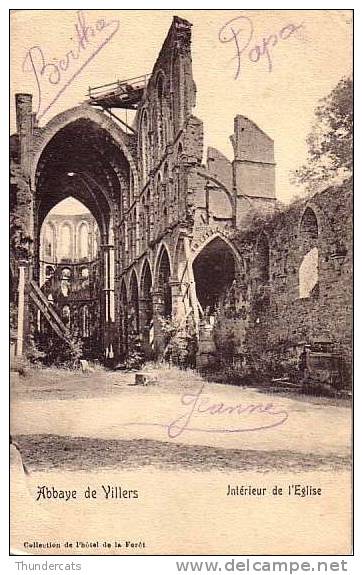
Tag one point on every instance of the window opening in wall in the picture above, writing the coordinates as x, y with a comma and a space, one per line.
308, 274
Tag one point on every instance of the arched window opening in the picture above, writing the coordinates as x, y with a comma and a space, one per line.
309, 249
145, 146
309, 224
83, 241
134, 306
65, 247
160, 120
214, 272
145, 291
309, 274
49, 239
146, 307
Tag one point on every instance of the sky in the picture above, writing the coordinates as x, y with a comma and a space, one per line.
69, 206
281, 79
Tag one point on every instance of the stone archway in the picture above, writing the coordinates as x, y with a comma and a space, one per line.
134, 321
163, 287
214, 268
215, 271
146, 308
162, 297
79, 157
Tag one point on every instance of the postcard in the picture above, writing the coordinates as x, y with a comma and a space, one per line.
181, 282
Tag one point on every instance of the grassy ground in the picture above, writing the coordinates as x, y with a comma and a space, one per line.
77, 431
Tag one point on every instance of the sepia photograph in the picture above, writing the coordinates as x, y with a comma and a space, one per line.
181, 267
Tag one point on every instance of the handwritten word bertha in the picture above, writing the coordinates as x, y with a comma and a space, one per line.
54, 75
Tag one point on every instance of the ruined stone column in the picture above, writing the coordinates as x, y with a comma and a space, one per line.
24, 128
177, 301
158, 312
145, 314
21, 315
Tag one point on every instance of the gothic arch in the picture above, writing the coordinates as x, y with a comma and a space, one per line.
84, 111
162, 246
215, 268
146, 268
308, 275
134, 306
144, 148
163, 271
309, 223
213, 236
146, 305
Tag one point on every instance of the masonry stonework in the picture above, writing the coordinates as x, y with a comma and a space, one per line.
203, 243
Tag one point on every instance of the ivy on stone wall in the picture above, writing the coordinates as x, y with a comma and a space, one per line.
20, 208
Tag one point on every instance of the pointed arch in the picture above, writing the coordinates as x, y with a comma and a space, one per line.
162, 281
215, 269
162, 246
134, 320
309, 223
146, 305
86, 112
146, 278
144, 145
218, 235
309, 251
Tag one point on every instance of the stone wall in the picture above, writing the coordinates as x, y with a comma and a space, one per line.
259, 313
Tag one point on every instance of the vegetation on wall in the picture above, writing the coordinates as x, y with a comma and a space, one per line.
20, 205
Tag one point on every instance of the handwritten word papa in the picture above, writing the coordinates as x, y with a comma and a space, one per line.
54, 75
240, 32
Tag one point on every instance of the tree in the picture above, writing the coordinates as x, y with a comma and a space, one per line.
330, 142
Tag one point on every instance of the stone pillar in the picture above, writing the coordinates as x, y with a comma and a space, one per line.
176, 298
158, 311
21, 310
109, 297
144, 323
24, 128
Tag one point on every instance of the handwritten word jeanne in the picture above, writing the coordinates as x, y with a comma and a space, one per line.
240, 32
223, 418
54, 75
